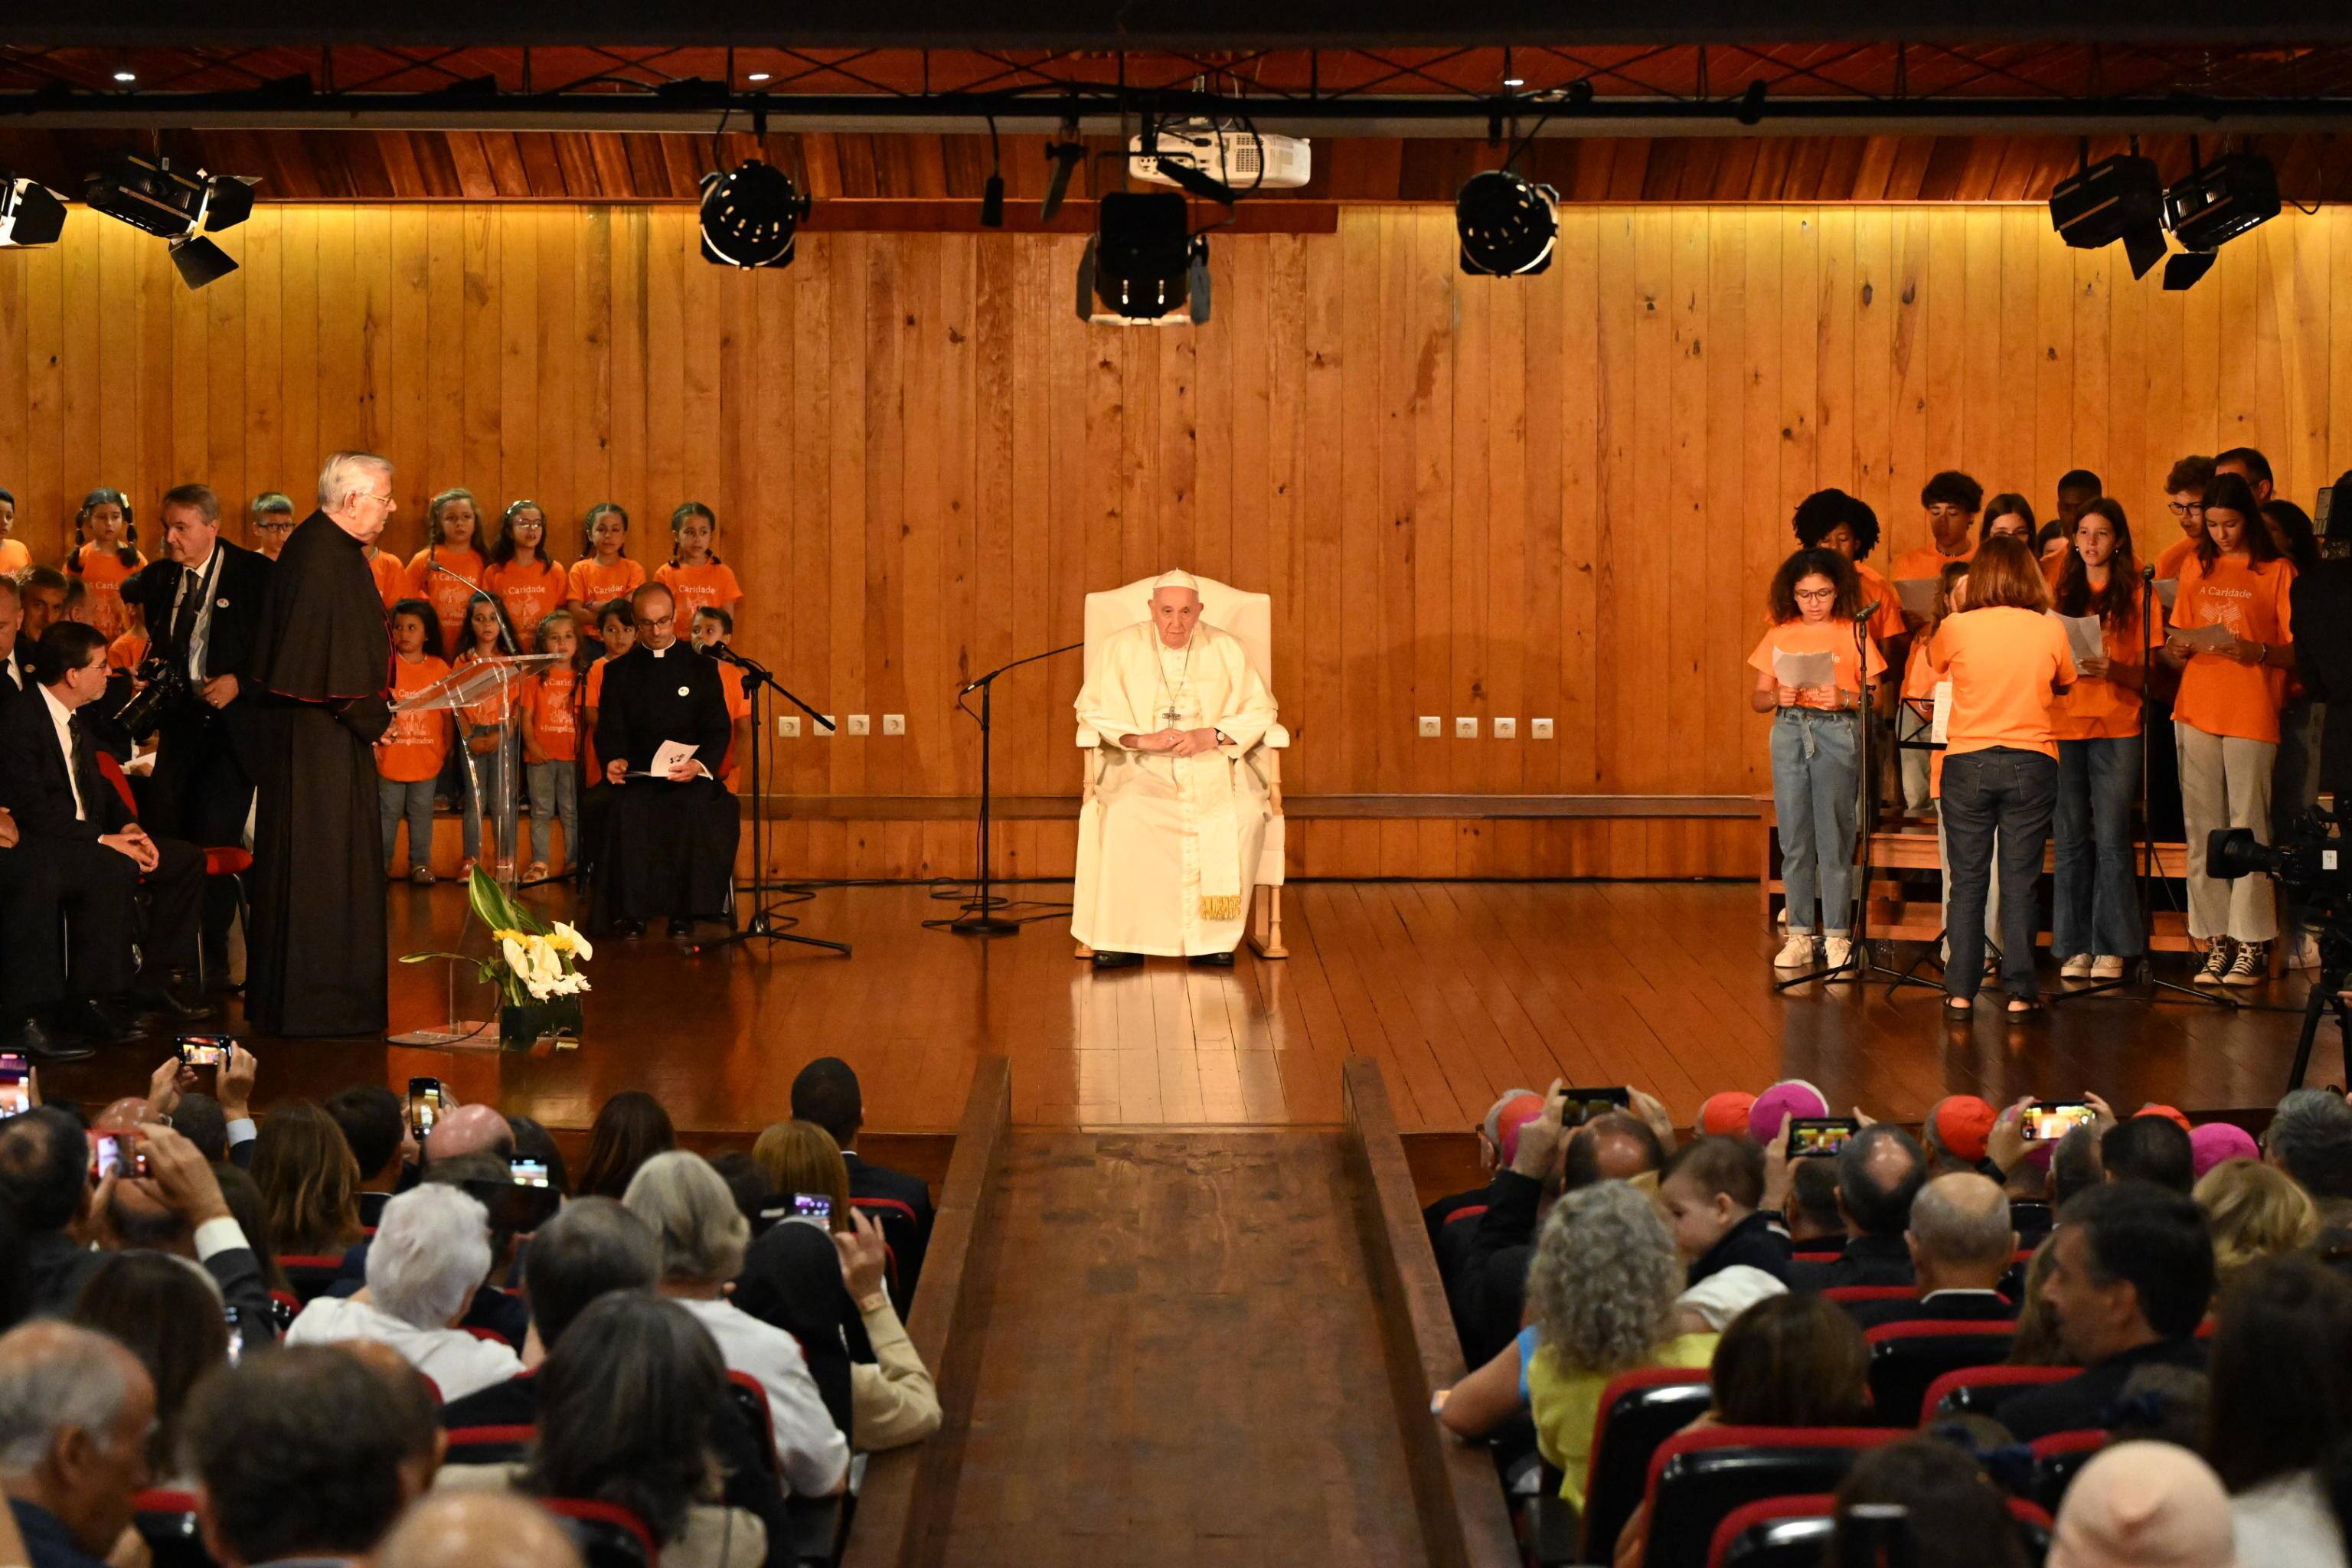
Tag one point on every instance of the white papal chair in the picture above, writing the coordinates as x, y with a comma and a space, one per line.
1249, 617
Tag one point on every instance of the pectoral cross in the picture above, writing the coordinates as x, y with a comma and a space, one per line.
1172, 714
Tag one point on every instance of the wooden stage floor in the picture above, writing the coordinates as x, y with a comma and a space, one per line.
1459, 990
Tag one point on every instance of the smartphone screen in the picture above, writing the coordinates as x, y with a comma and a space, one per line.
16, 1092
115, 1154
2049, 1119
1814, 1135
424, 1104
525, 1173
204, 1050
1584, 1104
813, 1208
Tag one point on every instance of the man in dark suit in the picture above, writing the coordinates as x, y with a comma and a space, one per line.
202, 604
1961, 1245
16, 648
1879, 1171
75, 827
826, 1093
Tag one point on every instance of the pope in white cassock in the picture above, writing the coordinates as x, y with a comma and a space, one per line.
1168, 847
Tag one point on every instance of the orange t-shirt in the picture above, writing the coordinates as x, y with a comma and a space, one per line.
489, 711
1886, 622
2098, 708
596, 584
413, 750
391, 578
102, 571
738, 707
2002, 661
548, 716
2218, 694
127, 651
14, 559
1927, 564
588, 700
528, 594
448, 595
1833, 637
2168, 564
698, 587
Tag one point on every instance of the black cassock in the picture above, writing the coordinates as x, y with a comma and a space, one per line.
668, 849
322, 664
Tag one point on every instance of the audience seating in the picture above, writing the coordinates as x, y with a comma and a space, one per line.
1871, 1293
1905, 1359
1978, 1390
1638, 1411
310, 1275
1796, 1531
1467, 1212
608, 1535
752, 1400
2057, 1459
1696, 1478
167, 1522
489, 1444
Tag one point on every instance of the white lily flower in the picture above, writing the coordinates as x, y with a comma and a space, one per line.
578, 944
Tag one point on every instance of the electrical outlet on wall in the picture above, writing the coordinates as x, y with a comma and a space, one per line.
823, 733
1466, 728
1506, 729
1539, 728
788, 725
894, 723
1430, 726
859, 724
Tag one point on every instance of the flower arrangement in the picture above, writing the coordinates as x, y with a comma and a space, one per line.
536, 967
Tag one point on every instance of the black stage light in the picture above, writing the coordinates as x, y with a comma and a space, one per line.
2116, 198
29, 214
1751, 103
228, 202
2184, 268
750, 216
154, 196
1144, 266
1507, 223
201, 261
2220, 200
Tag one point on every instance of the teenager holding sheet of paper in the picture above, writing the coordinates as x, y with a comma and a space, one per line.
2096, 921
2232, 641
1814, 600
2005, 659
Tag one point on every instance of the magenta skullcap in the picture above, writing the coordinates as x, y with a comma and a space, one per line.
1790, 1096
2218, 1140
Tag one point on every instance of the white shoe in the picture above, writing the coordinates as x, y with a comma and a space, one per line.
2251, 966
2106, 967
2306, 952
2217, 963
1837, 955
1797, 952
2075, 968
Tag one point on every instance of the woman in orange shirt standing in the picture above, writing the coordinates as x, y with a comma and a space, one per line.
1814, 600
2096, 923
408, 755
2226, 719
106, 551
445, 573
696, 578
2005, 658
528, 585
550, 718
603, 572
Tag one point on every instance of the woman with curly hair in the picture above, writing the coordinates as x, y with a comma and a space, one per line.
1601, 1301
2255, 1211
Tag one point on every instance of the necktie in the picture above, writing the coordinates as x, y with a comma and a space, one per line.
184, 615
77, 759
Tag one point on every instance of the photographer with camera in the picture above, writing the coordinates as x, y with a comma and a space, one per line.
202, 604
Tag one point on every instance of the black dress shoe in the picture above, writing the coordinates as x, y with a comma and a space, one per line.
680, 926
1119, 961
1212, 961
101, 1022
158, 1001
628, 930
30, 1038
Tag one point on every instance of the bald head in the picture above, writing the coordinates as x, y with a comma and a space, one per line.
1960, 1234
121, 1115
481, 1530
469, 1130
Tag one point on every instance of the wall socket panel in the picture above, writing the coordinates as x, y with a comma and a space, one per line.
788, 725
1540, 729
1506, 729
1466, 728
894, 723
823, 733
859, 724
1430, 726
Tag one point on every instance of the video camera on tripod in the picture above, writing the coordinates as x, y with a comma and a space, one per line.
2316, 863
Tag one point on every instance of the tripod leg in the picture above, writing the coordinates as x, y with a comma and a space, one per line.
2324, 994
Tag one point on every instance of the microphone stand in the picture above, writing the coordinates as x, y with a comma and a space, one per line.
765, 924
978, 919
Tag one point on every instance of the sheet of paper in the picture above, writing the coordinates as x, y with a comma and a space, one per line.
2202, 639
668, 756
1918, 597
1803, 670
2085, 638
2166, 590
1939, 729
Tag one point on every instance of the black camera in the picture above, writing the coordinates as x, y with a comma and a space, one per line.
164, 686
2312, 861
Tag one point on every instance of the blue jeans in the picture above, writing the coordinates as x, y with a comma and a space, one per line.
395, 800
2012, 790
1814, 793
2095, 907
554, 792
482, 774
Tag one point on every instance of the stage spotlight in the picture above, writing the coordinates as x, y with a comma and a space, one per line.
1751, 103
1144, 267
750, 216
201, 261
158, 198
1506, 222
2220, 200
2116, 198
29, 214
2185, 267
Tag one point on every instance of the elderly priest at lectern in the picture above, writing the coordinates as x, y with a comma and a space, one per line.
1169, 843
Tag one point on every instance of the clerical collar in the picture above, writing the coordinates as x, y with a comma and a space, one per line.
660, 652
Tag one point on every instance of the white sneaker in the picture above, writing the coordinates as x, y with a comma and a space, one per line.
2217, 963
2251, 966
1837, 954
1797, 952
2106, 967
2075, 968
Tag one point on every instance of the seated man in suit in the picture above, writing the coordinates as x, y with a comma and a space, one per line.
92, 857
1961, 1245
1879, 1171
16, 651
826, 1093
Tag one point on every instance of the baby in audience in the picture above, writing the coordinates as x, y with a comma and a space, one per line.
1737, 1256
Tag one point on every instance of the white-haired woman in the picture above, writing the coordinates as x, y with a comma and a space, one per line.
430, 1253
703, 1238
1601, 1301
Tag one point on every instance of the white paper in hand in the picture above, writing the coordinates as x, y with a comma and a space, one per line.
2204, 639
2085, 638
1803, 670
669, 755
1940, 730
1918, 597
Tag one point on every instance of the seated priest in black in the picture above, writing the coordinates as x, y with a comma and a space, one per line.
88, 858
668, 839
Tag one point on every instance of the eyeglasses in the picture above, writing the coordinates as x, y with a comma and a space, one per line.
2182, 509
287, 527
1817, 595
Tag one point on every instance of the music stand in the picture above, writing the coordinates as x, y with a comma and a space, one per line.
468, 686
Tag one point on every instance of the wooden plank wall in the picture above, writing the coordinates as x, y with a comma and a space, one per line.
1556, 496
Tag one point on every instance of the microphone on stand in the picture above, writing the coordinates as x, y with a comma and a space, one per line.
760, 672
1862, 617
506, 633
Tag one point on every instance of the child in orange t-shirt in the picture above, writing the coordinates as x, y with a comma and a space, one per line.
550, 718
2226, 718
696, 579
106, 551
490, 771
1815, 735
530, 587
604, 572
618, 625
391, 576
409, 754
128, 651
711, 627
451, 521
2097, 924
14, 559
